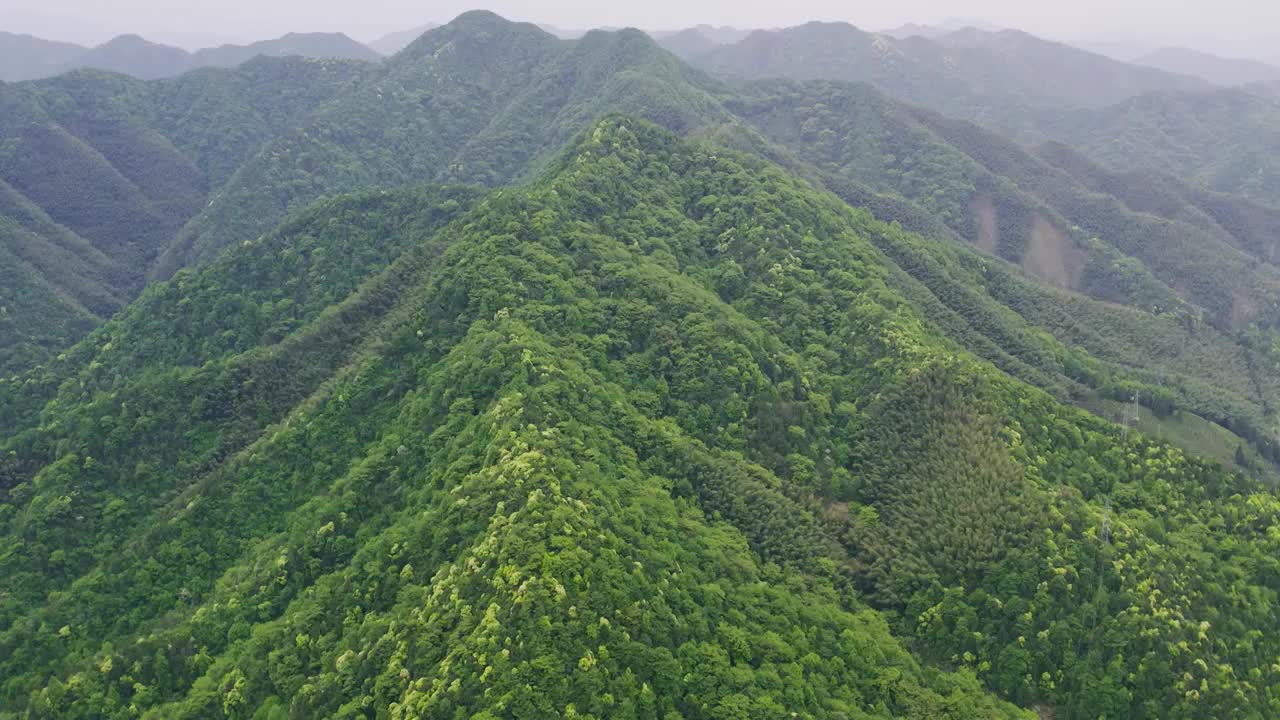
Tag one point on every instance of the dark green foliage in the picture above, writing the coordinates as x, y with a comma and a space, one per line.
618, 444
99, 172
663, 431
481, 100
523, 497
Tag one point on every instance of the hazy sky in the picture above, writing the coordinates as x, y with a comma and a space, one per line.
198, 22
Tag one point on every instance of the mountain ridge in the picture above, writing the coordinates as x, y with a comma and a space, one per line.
552, 390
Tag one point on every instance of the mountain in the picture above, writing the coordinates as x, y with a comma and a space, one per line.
1060, 73
717, 34
213, 157
1228, 72
134, 56
312, 45
517, 376
99, 172
686, 44
392, 43
1187, 263
943, 28
24, 57
1007, 80
1224, 140
504, 98
665, 430
1075, 229
577, 547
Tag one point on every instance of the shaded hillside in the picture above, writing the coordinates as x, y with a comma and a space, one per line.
625, 441
126, 165
504, 97
99, 172
1194, 266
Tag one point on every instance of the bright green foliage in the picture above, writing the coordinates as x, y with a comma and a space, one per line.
522, 495
1060, 218
622, 443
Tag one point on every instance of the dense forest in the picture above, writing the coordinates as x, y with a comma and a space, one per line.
522, 377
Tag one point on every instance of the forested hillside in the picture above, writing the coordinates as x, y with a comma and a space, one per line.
501, 97
1063, 219
585, 410
1127, 116
523, 377
99, 172
1225, 140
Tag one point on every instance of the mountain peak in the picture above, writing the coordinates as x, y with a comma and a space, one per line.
128, 39
481, 28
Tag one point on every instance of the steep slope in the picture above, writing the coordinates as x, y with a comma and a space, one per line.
273, 136
57, 286
480, 100
1193, 267
1217, 70
614, 442
24, 57
311, 45
99, 172
1068, 226
157, 175
525, 531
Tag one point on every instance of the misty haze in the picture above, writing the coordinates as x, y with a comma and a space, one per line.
662, 361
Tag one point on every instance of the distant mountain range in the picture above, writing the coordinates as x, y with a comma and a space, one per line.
1006, 80
392, 43
945, 27
1215, 69
24, 57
